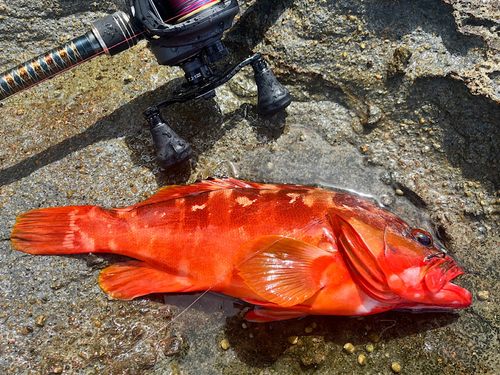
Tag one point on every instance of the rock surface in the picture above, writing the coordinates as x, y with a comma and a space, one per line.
388, 95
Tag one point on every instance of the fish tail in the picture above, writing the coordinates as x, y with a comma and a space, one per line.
61, 230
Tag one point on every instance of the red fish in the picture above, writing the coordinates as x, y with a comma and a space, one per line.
291, 250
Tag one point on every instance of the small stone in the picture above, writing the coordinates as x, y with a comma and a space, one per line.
362, 359
224, 344
396, 367
69, 193
172, 345
20, 112
483, 295
349, 348
293, 340
40, 321
309, 329
399, 192
369, 348
57, 369
26, 330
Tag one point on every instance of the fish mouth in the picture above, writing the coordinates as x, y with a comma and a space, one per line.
443, 294
454, 296
450, 297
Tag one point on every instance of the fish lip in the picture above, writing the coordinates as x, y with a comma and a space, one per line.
458, 297
464, 297
450, 297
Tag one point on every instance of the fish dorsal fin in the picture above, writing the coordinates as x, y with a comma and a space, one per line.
181, 191
282, 270
364, 266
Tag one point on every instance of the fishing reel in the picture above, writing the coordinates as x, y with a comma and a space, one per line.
184, 33
191, 37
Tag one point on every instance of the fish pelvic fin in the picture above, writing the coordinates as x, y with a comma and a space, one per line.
128, 280
62, 230
282, 270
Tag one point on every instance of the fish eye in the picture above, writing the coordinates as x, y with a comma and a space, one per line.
423, 237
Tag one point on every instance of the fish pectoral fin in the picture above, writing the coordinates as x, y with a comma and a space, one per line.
127, 280
270, 315
282, 270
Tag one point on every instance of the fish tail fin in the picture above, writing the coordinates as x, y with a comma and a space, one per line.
60, 230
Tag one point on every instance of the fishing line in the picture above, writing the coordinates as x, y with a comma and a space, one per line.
185, 9
386, 328
292, 235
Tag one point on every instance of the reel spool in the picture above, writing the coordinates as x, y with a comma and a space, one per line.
184, 33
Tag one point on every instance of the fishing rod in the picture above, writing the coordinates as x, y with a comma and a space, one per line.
184, 33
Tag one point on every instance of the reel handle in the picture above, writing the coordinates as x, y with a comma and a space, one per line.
171, 149
272, 96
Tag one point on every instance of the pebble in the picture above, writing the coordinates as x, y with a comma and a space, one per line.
396, 367
40, 321
399, 192
309, 329
173, 345
362, 360
224, 344
483, 295
293, 340
349, 348
369, 348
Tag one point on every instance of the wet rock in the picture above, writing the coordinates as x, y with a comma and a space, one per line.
397, 64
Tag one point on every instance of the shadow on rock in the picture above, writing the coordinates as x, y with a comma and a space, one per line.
252, 26
395, 19
198, 121
470, 125
310, 340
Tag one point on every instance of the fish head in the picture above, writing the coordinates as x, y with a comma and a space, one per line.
393, 262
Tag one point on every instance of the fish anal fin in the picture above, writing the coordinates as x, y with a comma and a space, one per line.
270, 315
127, 280
282, 270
